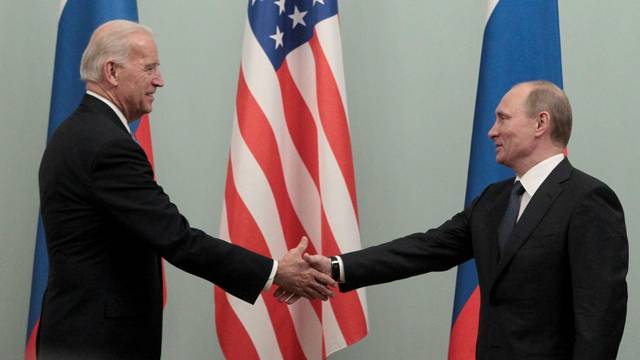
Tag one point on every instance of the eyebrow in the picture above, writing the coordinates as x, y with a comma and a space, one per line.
502, 114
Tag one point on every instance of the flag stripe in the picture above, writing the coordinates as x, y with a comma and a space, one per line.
250, 241
300, 123
240, 345
243, 228
347, 306
464, 332
301, 59
328, 34
260, 139
334, 119
234, 314
143, 136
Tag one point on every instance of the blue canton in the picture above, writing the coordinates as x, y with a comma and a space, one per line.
282, 25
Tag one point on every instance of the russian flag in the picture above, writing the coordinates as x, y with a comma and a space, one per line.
78, 19
521, 42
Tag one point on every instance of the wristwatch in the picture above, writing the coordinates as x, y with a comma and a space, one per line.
335, 268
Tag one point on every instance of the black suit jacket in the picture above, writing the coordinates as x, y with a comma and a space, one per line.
108, 224
558, 290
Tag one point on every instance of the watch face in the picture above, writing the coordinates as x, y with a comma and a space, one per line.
335, 268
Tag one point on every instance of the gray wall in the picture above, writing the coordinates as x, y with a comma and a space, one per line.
411, 69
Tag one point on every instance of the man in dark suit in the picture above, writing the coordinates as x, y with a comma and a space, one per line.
550, 246
108, 223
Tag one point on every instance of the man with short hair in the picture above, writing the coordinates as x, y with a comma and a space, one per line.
550, 245
108, 223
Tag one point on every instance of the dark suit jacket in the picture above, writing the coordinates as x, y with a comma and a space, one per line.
108, 224
558, 290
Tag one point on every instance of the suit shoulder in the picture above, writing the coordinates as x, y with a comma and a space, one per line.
584, 189
584, 182
80, 139
86, 130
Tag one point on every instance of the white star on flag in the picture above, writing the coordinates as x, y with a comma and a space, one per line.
298, 17
316, 1
278, 37
280, 4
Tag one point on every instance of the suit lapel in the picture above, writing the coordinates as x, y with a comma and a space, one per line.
533, 214
493, 224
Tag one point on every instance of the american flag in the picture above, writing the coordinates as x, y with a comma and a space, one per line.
290, 174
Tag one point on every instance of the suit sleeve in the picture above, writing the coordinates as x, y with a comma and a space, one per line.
599, 256
121, 180
435, 250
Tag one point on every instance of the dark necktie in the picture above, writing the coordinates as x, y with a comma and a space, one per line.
510, 216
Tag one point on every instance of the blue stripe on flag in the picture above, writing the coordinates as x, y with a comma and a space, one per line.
78, 20
521, 42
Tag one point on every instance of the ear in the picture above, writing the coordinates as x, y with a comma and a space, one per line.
543, 123
110, 72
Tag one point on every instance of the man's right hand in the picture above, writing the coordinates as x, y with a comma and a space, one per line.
297, 278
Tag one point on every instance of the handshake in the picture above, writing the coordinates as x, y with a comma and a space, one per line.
302, 275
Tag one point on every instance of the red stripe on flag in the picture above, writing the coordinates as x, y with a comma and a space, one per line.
300, 123
259, 137
30, 352
239, 344
464, 333
333, 118
143, 136
244, 231
346, 306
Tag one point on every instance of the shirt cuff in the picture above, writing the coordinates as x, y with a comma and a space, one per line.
341, 269
272, 276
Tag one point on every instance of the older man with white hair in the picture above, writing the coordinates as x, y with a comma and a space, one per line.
108, 223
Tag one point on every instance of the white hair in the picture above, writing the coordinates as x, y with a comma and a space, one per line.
108, 45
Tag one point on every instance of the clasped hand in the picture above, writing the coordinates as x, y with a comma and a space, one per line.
302, 275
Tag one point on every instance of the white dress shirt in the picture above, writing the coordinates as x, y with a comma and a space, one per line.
534, 177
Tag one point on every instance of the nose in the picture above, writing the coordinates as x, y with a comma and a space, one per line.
493, 132
158, 81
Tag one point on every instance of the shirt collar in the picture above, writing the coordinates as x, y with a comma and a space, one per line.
534, 177
114, 108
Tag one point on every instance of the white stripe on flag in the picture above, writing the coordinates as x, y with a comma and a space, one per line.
308, 328
335, 196
331, 42
490, 6
255, 318
333, 338
253, 189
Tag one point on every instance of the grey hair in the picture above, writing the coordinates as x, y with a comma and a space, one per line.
104, 46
